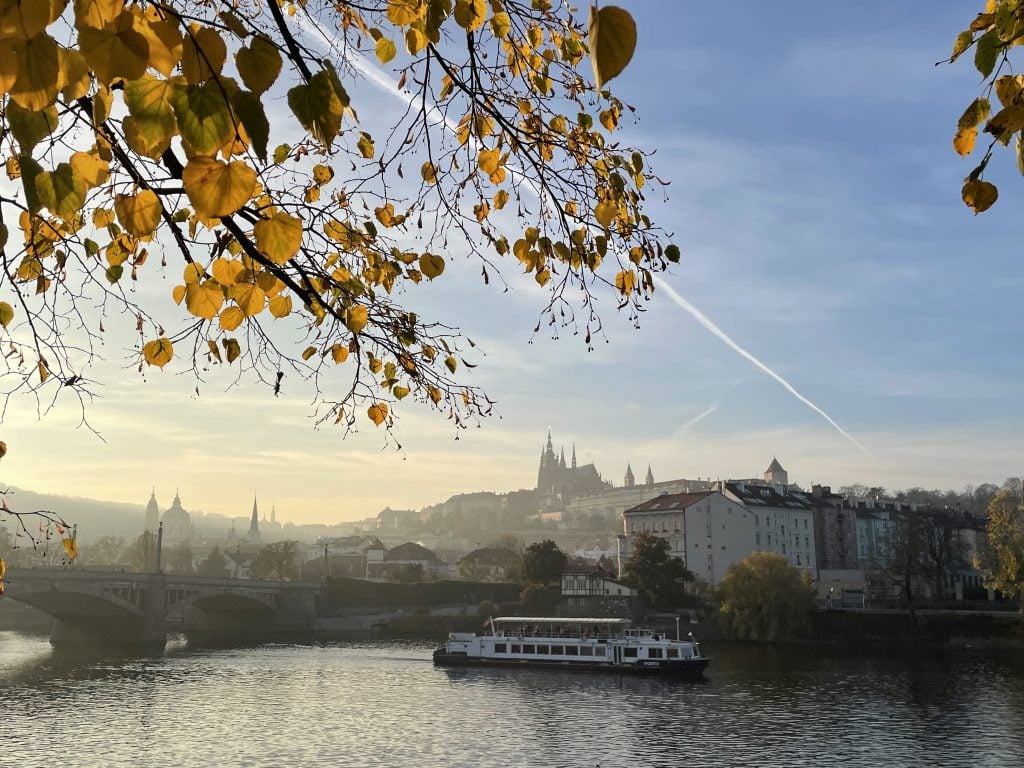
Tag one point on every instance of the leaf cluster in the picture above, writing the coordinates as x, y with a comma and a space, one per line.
763, 597
139, 136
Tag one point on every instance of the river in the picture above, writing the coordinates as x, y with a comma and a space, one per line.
384, 704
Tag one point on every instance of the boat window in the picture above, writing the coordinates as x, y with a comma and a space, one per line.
654, 653
516, 648
500, 648
557, 650
629, 653
599, 650
542, 649
572, 650
586, 650
673, 653
528, 649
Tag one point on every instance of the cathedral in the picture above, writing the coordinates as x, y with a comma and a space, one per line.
555, 476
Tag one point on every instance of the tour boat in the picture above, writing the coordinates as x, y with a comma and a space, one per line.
606, 645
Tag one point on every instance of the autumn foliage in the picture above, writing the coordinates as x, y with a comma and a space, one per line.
220, 144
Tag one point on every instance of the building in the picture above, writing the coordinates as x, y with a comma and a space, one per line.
707, 530
490, 564
254, 523
152, 514
588, 586
177, 522
783, 521
401, 562
555, 477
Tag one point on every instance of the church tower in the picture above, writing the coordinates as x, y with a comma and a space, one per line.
628, 481
775, 474
152, 513
649, 480
254, 523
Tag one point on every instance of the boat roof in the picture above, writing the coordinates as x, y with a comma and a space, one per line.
560, 620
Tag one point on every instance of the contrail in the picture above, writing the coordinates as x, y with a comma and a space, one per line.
699, 417
389, 85
703, 319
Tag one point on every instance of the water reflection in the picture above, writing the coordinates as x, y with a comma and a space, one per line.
384, 704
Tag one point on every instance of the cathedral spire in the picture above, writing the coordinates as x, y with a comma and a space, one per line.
574, 455
629, 481
649, 480
561, 461
254, 523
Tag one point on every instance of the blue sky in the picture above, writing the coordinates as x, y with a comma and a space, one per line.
815, 195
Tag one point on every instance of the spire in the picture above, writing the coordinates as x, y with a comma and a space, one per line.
254, 523
574, 455
649, 480
273, 513
549, 446
561, 462
629, 481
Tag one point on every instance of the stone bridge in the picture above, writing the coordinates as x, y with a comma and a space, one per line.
141, 608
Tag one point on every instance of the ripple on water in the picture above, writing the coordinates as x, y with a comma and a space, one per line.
384, 704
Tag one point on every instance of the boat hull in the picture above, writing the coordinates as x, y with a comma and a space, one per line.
685, 668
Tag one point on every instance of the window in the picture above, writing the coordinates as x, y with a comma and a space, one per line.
516, 648
673, 653
528, 649
769, 539
798, 560
586, 650
783, 547
542, 649
629, 653
805, 523
807, 541
654, 653
572, 650
783, 530
599, 650
500, 648
757, 519
632, 527
557, 650
757, 538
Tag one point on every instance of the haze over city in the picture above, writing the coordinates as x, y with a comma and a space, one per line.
815, 196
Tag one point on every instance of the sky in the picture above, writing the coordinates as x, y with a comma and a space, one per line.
816, 199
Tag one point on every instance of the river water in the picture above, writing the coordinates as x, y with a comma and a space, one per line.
384, 704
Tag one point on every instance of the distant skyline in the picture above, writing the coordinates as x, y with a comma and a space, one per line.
815, 195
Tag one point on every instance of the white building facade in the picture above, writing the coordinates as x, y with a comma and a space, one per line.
707, 531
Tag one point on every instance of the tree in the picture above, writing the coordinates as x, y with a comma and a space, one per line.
651, 569
764, 598
279, 561
543, 563
943, 552
902, 563
106, 550
993, 34
142, 552
214, 565
138, 136
408, 573
507, 541
1003, 559
179, 559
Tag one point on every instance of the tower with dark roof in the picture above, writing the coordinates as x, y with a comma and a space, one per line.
775, 474
649, 480
254, 523
152, 513
628, 481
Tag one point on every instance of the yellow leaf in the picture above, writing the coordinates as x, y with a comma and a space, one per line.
231, 318
385, 214
356, 318
318, 107
36, 84
70, 545
117, 50
61, 190
44, 372
964, 140
178, 293
158, 352
365, 145
500, 199
203, 54
400, 392
340, 353
249, 298
6, 314
385, 50
431, 265
625, 282
605, 212
192, 273
278, 237
90, 167
204, 299
470, 14
322, 173
501, 25
612, 40
429, 172
979, 195
402, 13
435, 394
377, 413
226, 271
308, 352
216, 188
139, 214
259, 64
281, 306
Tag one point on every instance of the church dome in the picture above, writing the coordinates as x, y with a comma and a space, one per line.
177, 522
